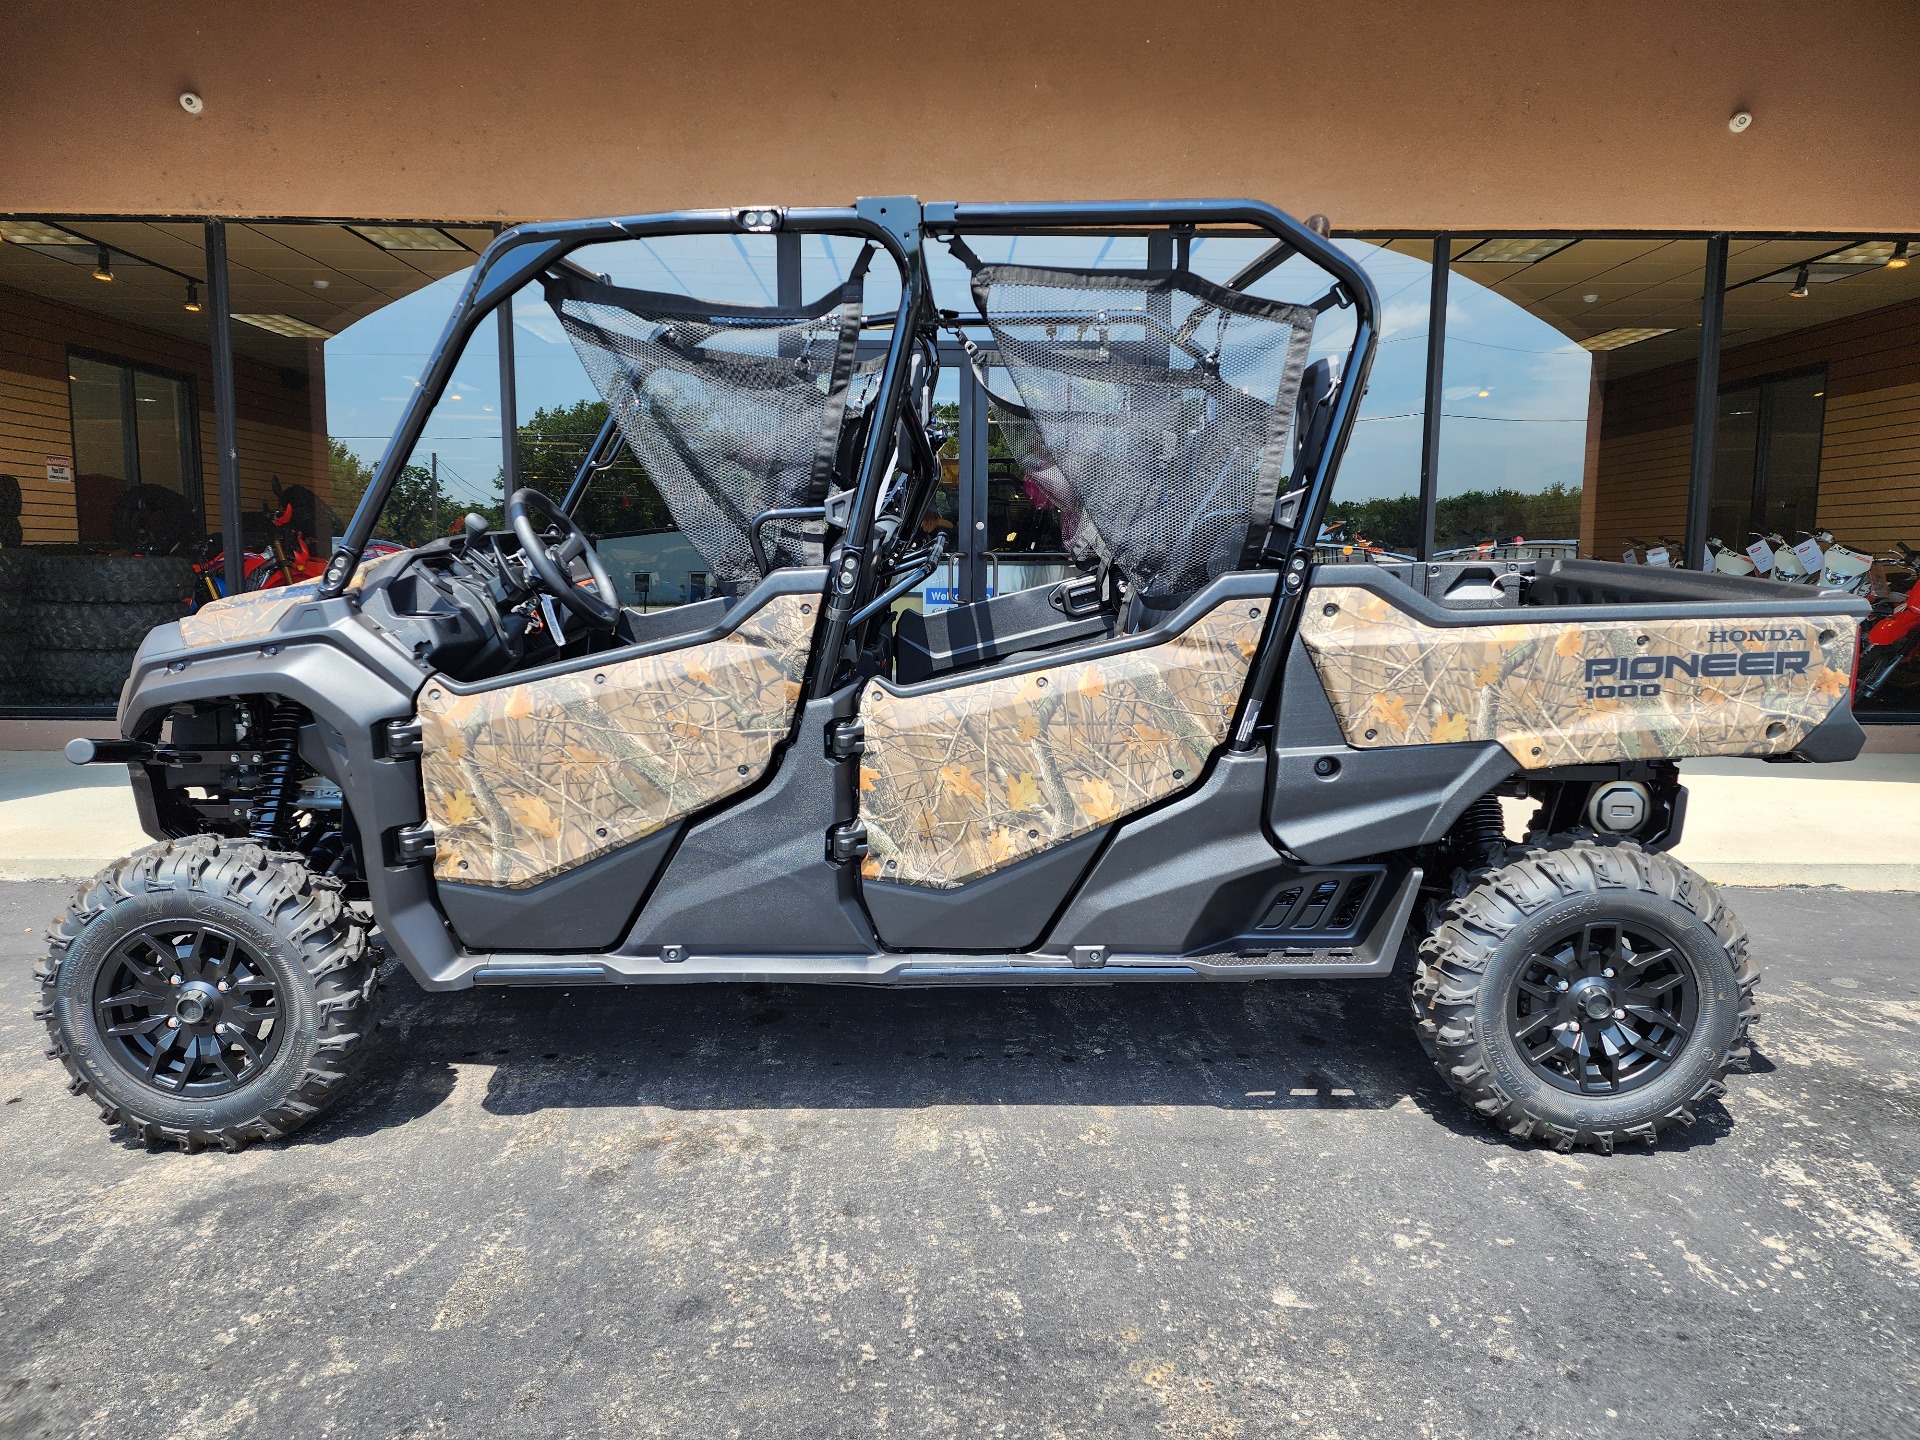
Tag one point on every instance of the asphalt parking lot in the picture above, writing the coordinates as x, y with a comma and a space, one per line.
1198, 1212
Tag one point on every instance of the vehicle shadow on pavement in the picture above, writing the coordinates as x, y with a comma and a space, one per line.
1284, 1045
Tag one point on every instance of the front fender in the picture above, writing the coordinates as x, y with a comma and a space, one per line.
329, 659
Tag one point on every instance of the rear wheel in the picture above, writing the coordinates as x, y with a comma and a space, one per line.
209, 992
1586, 993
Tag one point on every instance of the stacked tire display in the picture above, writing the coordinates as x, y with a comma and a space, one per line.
9, 513
15, 586
81, 618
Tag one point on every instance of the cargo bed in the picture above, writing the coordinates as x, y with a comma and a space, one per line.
1585, 660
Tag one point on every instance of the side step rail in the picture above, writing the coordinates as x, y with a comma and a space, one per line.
673, 964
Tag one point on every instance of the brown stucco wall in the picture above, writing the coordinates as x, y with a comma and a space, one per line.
1404, 115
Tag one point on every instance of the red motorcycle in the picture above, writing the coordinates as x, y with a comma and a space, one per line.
1891, 639
284, 555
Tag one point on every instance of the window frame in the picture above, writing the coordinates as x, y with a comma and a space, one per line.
193, 486
1763, 432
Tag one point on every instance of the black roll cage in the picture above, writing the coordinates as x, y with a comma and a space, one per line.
898, 224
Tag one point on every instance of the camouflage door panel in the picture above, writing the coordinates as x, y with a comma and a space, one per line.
257, 612
959, 782
1576, 693
525, 781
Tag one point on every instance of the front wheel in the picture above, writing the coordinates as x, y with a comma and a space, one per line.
209, 992
1586, 993
1876, 666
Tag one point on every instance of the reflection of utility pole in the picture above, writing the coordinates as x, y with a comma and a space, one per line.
437, 529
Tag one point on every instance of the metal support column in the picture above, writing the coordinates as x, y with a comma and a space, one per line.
1706, 403
1436, 384
509, 409
225, 430
970, 545
786, 283
786, 269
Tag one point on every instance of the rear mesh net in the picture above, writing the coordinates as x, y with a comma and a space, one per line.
731, 410
1162, 404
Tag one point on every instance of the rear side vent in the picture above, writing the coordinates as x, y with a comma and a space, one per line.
1348, 910
1315, 910
1283, 907
1329, 903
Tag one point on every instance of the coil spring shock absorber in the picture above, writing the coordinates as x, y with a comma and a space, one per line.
1483, 826
273, 801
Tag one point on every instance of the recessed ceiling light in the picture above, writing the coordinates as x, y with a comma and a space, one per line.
1814, 272
1511, 252
1625, 335
286, 325
407, 237
32, 232
1589, 299
1872, 252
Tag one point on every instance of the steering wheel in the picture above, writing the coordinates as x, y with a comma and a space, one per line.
535, 519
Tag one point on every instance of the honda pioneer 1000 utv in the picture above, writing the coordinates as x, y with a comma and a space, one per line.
1187, 752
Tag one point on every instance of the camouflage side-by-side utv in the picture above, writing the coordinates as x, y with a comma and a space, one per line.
1194, 754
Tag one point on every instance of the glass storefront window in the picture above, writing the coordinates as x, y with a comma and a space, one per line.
1515, 399
1564, 359
333, 327
1766, 473
133, 448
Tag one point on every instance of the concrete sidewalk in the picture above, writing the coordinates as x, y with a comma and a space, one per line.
58, 819
1855, 825
1748, 823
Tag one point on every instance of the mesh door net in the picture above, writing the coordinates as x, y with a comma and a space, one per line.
731, 410
1165, 403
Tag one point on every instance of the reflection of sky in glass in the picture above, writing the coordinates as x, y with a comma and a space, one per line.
1526, 431
373, 366
1514, 398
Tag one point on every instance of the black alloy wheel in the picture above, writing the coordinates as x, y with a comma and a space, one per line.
1604, 1008
1583, 991
188, 1009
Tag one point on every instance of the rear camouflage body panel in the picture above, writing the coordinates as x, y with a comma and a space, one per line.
960, 782
526, 781
1574, 694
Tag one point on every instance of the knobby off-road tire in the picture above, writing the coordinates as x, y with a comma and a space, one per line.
267, 938
1485, 962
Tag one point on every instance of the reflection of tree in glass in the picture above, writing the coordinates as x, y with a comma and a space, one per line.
621, 500
418, 509
1468, 518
